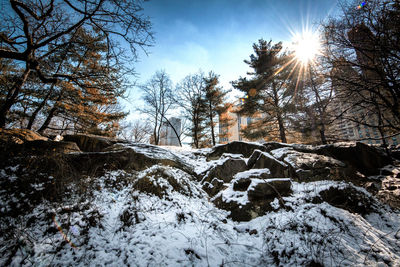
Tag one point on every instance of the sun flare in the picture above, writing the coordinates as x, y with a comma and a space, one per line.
306, 46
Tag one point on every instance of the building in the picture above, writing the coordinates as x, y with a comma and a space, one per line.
171, 132
363, 114
231, 132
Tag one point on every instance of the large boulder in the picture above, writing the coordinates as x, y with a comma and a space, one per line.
89, 142
313, 167
225, 169
51, 146
348, 198
19, 136
164, 181
274, 145
259, 197
127, 157
262, 160
364, 158
235, 147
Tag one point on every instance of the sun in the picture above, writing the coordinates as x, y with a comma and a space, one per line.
306, 47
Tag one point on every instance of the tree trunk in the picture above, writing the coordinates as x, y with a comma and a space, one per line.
195, 132
212, 125
12, 96
52, 112
176, 133
281, 129
322, 134
39, 108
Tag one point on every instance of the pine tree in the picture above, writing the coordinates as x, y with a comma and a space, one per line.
215, 103
89, 100
268, 91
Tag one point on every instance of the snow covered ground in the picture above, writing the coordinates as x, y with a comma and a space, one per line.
118, 223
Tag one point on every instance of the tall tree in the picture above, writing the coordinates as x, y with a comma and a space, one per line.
157, 96
215, 102
189, 96
89, 100
268, 91
35, 30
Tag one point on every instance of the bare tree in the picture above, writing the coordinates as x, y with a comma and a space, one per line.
157, 95
363, 51
136, 131
189, 96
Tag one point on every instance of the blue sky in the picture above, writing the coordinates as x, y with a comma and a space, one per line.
218, 35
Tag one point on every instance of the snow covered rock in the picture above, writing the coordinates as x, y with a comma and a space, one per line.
225, 169
364, 158
255, 200
127, 157
261, 160
242, 180
214, 187
235, 147
313, 167
89, 142
163, 181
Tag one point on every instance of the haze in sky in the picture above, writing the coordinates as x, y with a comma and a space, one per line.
218, 35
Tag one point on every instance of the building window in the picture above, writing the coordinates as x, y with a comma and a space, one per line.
248, 120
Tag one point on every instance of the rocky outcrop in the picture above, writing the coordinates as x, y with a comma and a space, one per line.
19, 136
364, 158
226, 169
347, 198
235, 147
90, 143
261, 160
127, 157
51, 146
313, 167
247, 198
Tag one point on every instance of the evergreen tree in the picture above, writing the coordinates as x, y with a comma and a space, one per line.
268, 91
89, 100
215, 103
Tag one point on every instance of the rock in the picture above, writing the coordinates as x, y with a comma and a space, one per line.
127, 157
242, 184
226, 169
347, 198
314, 167
162, 181
242, 180
269, 146
214, 187
19, 136
262, 160
90, 143
235, 147
269, 189
42, 146
389, 193
256, 201
364, 158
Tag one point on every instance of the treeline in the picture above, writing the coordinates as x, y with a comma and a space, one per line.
355, 78
63, 63
198, 100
